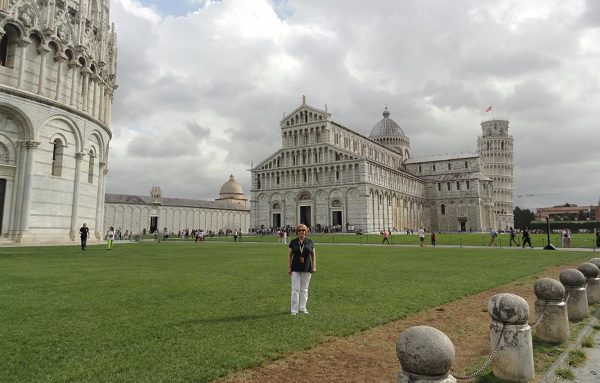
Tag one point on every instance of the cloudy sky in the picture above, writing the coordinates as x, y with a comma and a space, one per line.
203, 85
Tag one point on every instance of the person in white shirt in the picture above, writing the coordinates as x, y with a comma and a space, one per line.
110, 235
421, 237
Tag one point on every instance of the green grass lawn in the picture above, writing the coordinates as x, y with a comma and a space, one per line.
183, 312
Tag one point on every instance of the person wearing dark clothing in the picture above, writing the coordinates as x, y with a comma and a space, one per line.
513, 237
597, 237
526, 238
433, 238
301, 265
84, 233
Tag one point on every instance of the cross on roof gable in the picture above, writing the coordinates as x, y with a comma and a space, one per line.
304, 114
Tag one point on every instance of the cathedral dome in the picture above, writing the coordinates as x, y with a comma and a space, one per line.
231, 188
386, 127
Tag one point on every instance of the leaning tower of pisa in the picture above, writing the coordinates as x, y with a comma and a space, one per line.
58, 63
495, 147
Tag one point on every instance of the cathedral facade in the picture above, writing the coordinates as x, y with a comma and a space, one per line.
57, 78
327, 175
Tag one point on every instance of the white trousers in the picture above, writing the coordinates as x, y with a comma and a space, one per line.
300, 283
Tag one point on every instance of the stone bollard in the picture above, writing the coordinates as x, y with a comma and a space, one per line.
551, 311
426, 355
590, 271
509, 330
577, 304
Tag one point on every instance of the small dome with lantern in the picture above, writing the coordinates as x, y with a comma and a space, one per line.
388, 133
231, 191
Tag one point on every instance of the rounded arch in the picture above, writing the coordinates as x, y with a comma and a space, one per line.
71, 124
37, 38
59, 136
20, 118
96, 139
9, 44
304, 195
14, 23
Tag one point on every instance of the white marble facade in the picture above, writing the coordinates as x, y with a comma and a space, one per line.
57, 78
326, 175
139, 214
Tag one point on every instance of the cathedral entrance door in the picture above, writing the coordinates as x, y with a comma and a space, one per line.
2, 194
305, 215
276, 220
153, 224
463, 224
336, 218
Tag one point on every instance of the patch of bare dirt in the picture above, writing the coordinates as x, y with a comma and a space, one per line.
370, 356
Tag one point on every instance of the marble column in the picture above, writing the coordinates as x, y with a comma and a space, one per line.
75, 205
29, 147
42, 51
22, 61
74, 83
60, 59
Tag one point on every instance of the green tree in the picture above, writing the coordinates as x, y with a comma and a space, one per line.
523, 217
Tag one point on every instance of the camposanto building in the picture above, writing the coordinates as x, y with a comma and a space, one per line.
139, 214
327, 175
57, 78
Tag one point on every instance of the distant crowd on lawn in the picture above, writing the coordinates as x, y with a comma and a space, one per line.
318, 228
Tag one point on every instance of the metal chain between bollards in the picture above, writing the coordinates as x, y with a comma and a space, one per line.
539, 319
568, 296
487, 362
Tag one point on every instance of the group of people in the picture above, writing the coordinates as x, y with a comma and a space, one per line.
525, 237
84, 235
421, 232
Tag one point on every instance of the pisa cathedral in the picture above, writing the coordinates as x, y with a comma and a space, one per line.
327, 175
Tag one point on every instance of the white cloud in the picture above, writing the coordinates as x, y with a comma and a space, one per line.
201, 95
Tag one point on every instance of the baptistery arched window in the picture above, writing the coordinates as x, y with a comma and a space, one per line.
8, 46
57, 157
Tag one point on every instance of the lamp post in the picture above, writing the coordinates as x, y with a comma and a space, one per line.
549, 245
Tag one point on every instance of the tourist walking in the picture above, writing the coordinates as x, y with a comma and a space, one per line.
301, 264
513, 237
386, 234
526, 238
597, 237
110, 235
433, 238
493, 236
84, 233
421, 237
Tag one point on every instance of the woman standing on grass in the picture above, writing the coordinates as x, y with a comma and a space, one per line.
110, 235
301, 264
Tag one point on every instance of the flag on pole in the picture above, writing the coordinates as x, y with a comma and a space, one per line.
488, 109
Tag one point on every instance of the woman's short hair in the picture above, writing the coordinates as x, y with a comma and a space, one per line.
301, 226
